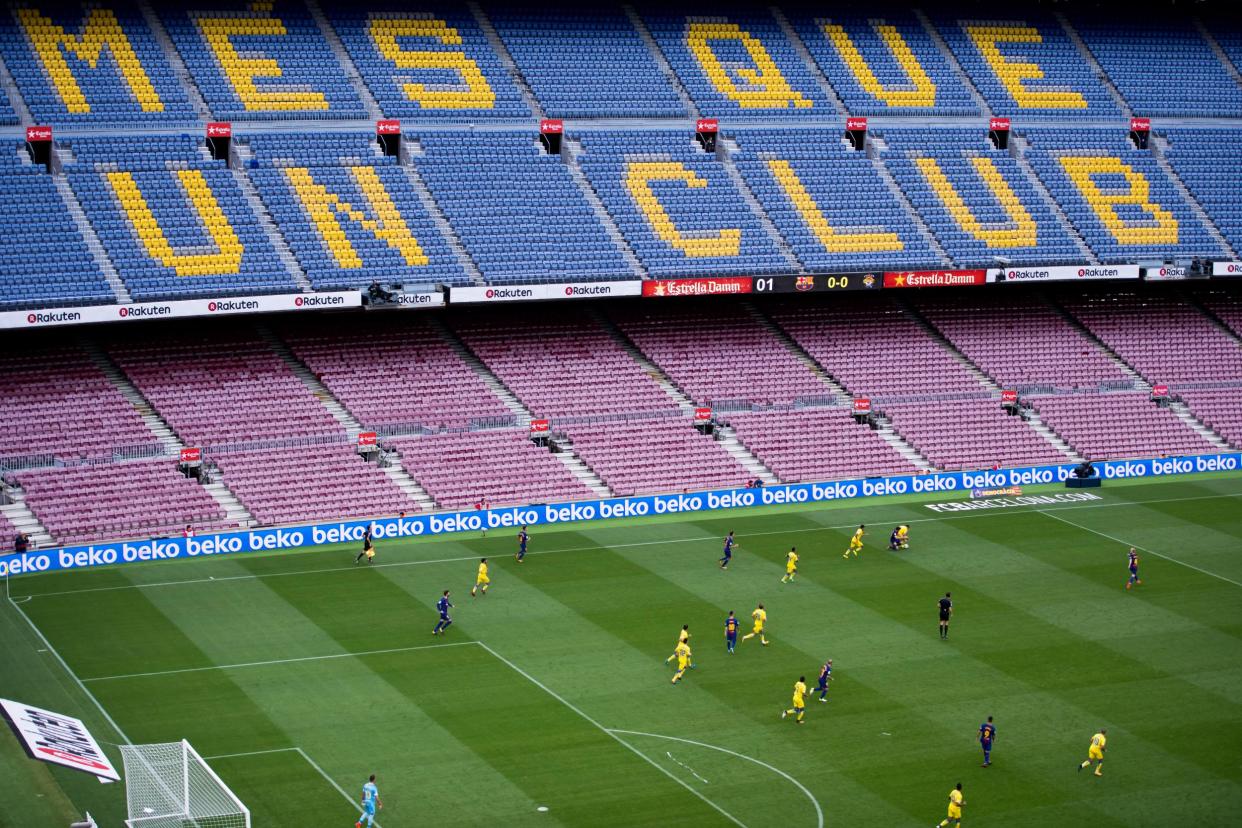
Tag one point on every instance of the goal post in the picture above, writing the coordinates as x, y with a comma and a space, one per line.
170, 786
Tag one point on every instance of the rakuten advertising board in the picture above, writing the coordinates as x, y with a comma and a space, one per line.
533, 293
415, 526
181, 308
1227, 268
1070, 273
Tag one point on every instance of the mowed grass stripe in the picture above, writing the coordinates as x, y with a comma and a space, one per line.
341, 711
517, 730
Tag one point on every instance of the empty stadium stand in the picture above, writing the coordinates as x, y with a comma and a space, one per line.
831, 205
1118, 425
564, 367
1118, 197
174, 222
261, 61
558, 55
970, 434
91, 65
976, 199
427, 62
883, 62
658, 455
518, 211
502, 467
1208, 162
676, 205
36, 230
350, 214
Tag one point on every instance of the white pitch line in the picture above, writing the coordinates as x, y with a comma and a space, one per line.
819, 812
611, 735
249, 753
940, 519
280, 661
65, 665
1148, 551
331, 781
301, 753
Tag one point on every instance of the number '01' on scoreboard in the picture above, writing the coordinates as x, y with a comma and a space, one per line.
822, 283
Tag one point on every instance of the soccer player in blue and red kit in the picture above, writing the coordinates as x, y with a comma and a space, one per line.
731, 631
825, 676
728, 551
1134, 578
987, 733
522, 538
443, 605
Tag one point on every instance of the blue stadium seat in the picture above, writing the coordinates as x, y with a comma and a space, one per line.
91, 64
517, 210
427, 62
883, 62
1027, 67
737, 64
349, 213
830, 204
174, 223
1161, 66
261, 61
1209, 163
1117, 196
676, 205
592, 64
976, 199
44, 261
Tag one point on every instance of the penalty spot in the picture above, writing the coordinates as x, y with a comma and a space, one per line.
543, 809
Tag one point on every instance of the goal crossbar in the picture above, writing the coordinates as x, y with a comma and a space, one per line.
170, 786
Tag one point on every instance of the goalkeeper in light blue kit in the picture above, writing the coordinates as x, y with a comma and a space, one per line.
370, 801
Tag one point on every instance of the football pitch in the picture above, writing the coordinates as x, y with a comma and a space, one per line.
549, 702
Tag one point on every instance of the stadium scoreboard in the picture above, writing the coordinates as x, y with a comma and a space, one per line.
822, 283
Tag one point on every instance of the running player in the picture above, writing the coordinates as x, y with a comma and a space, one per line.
683, 660
1134, 578
370, 801
791, 565
728, 551
945, 606
481, 581
522, 538
955, 807
368, 548
443, 605
987, 733
825, 676
683, 637
1095, 753
760, 615
731, 631
799, 700
855, 541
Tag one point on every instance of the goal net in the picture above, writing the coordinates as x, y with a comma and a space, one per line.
170, 786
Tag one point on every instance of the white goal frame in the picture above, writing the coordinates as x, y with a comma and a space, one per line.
159, 793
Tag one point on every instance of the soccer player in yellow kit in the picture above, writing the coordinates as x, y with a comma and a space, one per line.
760, 615
482, 581
1095, 753
799, 700
683, 660
683, 637
856, 541
955, 807
791, 565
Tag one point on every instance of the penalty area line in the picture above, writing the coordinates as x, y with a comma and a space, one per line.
1136, 546
305, 756
611, 734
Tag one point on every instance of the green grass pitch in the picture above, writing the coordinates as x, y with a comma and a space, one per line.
302, 674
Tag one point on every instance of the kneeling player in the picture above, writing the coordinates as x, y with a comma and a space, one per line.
899, 539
